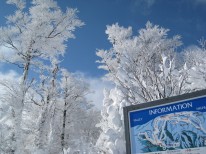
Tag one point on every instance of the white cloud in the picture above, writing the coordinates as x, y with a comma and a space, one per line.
97, 85
9, 76
146, 3
150, 3
142, 6
5, 52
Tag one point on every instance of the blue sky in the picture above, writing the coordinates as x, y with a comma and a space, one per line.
184, 17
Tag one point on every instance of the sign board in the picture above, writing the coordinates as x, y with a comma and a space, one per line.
175, 125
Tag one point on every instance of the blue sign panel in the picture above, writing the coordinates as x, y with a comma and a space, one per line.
177, 128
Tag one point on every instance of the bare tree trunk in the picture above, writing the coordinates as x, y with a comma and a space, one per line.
20, 108
26, 68
46, 118
42, 136
26, 71
64, 118
63, 128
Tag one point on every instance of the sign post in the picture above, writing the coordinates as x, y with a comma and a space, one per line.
174, 125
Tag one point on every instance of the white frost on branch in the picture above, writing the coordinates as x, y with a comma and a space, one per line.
144, 67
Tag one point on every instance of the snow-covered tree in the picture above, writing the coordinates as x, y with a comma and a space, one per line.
75, 115
49, 94
9, 102
37, 34
34, 36
142, 65
65, 114
73, 92
196, 65
111, 139
144, 68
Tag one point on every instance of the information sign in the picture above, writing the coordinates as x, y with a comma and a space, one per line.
174, 125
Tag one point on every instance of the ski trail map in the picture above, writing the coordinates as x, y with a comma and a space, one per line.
177, 128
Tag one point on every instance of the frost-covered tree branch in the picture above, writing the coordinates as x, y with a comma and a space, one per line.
144, 68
